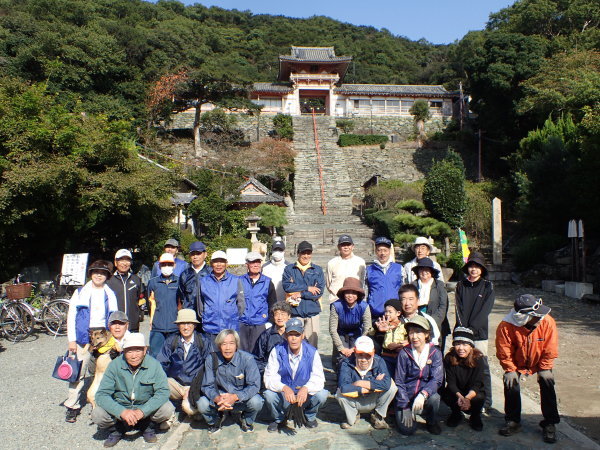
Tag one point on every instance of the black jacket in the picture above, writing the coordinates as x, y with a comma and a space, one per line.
463, 379
437, 307
474, 303
127, 289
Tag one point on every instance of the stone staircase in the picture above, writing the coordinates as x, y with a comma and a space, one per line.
308, 221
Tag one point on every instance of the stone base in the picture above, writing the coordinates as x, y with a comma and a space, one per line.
549, 285
577, 290
559, 289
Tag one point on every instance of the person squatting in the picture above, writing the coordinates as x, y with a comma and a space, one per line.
225, 345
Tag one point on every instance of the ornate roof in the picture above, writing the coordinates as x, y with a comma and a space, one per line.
394, 89
253, 191
314, 54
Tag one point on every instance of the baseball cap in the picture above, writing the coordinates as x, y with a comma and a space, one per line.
364, 344
345, 239
253, 256
134, 340
166, 258
118, 316
304, 246
123, 253
278, 245
294, 324
219, 254
172, 243
382, 240
197, 247
529, 304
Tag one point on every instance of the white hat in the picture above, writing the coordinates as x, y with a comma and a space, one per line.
219, 254
134, 340
364, 344
166, 258
253, 256
123, 253
422, 241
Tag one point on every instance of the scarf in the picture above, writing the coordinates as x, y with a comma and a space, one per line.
301, 267
85, 296
517, 319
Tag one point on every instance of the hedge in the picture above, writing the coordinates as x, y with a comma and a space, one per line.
346, 140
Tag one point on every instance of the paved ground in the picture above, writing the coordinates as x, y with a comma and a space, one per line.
31, 416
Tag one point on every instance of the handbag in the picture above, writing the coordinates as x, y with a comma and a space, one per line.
67, 368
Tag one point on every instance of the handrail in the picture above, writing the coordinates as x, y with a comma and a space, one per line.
319, 164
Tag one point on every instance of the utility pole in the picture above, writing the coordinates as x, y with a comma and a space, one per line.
461, 100
479, 176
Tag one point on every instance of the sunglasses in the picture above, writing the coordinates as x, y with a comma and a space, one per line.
534, 307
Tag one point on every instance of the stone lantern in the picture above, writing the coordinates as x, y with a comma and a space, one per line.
253, 227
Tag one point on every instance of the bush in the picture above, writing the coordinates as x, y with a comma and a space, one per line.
411, 205
455, 261
389, 192
444, 193
531, 250
478, 215
346, 125
404, 238
284, 127
420, 110
347, 140
384, 224
423, 226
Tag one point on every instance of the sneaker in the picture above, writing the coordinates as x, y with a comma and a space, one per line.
454, 419
113, 438
549, 434
378, 422
345, 426
214, 428
273, 427
510, 428
434, 428
245, 426
475, 422
71, 415
149, 435
312, 424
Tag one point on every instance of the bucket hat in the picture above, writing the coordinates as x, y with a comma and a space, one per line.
186, 316
351, 284
422, 241
103, 265
425, 263
476, 258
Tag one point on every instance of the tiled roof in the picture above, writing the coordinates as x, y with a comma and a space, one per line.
314, 54
264, 194
277, 88
182, 198
393, 89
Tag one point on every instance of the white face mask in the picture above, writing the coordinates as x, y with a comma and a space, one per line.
167, 271
277, 255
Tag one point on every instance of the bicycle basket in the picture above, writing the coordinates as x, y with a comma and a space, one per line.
18, 291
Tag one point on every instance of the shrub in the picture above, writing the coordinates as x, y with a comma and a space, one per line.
411, 205
384, 224
284, 127
404, 238
390, 192
444, 193
347, 140
455, 261
423, 226
420, 110
478, 215
346, 125
531, 250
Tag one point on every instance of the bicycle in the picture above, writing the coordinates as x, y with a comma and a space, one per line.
15, 323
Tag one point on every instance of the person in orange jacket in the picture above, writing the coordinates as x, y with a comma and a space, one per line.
527, 343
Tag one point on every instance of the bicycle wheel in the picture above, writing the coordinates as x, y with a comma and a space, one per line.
15, 322
54, 316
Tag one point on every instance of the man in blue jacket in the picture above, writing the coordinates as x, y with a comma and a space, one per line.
383, 278
162, 298
364, 385
304, 284
281, 312
182, 357
259, 296
189, 281
222, 298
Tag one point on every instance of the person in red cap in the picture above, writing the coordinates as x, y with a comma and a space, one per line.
527, 343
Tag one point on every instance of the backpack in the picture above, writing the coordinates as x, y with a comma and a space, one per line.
196, 384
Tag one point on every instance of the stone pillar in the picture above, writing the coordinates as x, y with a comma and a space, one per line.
497, 231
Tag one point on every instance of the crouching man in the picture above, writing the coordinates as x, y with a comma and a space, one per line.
134, 393
365, 386
527, 343
182, 357
294, 374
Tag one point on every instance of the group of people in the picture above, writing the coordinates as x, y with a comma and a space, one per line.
224, 344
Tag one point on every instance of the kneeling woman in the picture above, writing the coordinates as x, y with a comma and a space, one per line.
419, 375
464, 379
349, 319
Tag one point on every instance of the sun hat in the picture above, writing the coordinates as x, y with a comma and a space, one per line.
134, 340
351, 284
364, 344
422, 241
418, 321
103, 265
476, 258
166, 258
425, 263
186, 316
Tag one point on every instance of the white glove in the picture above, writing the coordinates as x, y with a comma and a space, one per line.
418, 403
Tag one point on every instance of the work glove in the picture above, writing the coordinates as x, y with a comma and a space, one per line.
546, 376
419, 402
407, 418
510, 379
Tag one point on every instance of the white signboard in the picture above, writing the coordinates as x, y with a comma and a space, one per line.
72, 272
236, 256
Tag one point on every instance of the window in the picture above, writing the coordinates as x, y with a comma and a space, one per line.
378, 106
269, 103
392, 106
406, 105
356, 104
435, 104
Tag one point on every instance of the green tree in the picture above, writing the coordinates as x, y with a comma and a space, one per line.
421, 114
271, 216
444, 193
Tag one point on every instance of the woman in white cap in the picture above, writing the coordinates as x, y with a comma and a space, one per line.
422, 249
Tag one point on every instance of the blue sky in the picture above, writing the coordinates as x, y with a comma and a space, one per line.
438, 21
